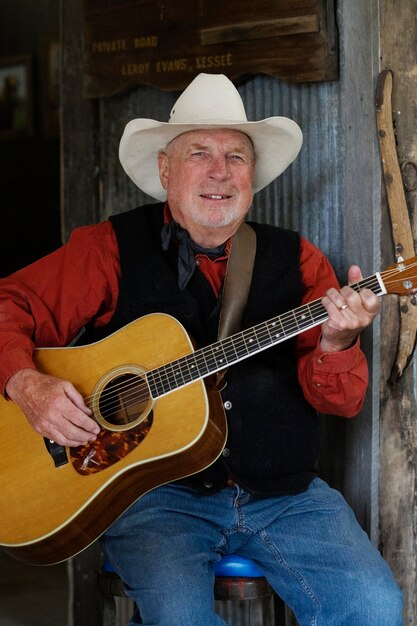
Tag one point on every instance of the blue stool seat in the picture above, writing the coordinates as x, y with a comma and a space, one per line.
237, 566
108, 567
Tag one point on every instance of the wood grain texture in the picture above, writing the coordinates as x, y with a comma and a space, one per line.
166, 46
398, 459
402, 234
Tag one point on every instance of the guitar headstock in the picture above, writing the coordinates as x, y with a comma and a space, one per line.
401, 278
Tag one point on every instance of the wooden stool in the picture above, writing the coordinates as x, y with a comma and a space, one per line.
243, 596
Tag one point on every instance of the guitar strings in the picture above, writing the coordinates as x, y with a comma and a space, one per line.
172, 378
137, 389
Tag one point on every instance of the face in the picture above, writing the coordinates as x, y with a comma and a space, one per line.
208, 178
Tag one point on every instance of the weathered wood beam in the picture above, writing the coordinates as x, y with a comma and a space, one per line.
261, 29
398, 425
400, 221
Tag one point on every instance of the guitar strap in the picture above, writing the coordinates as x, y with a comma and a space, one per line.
236, 284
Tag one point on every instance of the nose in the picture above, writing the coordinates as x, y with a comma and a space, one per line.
220, 168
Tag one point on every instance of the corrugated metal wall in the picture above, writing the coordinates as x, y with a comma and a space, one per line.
304, 198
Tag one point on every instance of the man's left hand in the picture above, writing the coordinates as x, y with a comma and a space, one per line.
349, 313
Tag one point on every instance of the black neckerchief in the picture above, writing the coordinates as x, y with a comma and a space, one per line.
187, 249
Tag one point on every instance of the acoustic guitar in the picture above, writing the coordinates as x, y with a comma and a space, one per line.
161, 419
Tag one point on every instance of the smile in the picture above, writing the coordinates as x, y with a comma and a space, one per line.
215, 196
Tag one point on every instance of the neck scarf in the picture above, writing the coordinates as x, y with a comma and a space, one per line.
187, 249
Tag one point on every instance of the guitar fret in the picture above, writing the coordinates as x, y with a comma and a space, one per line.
292, 323
190, 370
220, 354
263, 335
189, 374
194, 369
304, 317
157, 382
153, 385
251, 340
275, 329
216, 355
240, 346
176, 378
231, 344
202, 363
166, 378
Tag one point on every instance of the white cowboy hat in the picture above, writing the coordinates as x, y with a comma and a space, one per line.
209, 101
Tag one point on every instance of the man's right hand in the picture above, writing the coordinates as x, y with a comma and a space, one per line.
53, 407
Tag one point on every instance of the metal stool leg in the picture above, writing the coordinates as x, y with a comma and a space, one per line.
111, 587
109, 611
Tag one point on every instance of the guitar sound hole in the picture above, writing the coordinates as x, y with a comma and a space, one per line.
124, 401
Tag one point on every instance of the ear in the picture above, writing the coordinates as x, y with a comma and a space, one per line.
163, 166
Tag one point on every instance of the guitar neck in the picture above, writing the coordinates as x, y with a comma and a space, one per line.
222, 354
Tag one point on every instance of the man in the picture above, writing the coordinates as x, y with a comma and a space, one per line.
262, 498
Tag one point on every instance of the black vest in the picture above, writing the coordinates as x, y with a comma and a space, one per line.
273, 441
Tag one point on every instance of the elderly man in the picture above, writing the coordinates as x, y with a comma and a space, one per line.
262, 498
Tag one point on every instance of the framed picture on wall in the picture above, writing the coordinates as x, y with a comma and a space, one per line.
16, 99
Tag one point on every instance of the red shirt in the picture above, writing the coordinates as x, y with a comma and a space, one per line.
47, 303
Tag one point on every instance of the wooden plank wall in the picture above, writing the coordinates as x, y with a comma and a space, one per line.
398, 410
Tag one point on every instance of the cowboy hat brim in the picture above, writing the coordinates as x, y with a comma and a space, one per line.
276, 140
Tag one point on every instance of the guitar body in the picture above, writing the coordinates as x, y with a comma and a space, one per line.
50, 513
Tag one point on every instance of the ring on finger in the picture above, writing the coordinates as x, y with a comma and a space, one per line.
343, 307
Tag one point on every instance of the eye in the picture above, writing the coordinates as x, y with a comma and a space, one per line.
237, 157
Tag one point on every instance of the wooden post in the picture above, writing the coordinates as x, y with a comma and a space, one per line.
398, 460
79, 124
79, 205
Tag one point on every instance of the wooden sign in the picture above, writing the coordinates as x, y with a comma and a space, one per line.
166, 44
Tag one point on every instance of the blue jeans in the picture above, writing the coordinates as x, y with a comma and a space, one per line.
309, 545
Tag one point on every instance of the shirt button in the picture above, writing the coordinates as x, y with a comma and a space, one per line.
208, 485
227, 405
226, 452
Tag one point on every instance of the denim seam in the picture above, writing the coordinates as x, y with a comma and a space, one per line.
303, 583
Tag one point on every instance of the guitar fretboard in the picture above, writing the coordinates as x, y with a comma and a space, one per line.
222, 354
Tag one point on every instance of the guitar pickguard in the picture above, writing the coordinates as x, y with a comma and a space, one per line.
109, 448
